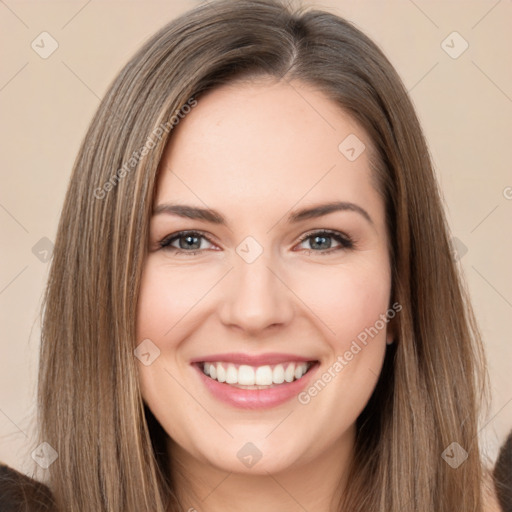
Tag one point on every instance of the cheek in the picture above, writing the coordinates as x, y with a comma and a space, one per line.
347, 301
166, 296
353, 308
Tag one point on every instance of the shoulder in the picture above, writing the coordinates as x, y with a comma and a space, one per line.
502, 476
19, 492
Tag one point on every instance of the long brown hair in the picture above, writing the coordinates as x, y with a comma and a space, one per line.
110, 451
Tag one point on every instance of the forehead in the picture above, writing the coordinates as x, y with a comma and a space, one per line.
256, 142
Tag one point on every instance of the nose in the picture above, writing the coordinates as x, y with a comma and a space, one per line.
255, 297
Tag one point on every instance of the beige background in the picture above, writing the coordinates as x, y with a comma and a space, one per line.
464, 103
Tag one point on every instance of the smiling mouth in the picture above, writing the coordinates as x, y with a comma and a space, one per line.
244, 376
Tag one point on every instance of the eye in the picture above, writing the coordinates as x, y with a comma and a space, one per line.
320, 241
189, 242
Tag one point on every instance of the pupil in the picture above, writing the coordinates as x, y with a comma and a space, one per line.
323, 246
188, 238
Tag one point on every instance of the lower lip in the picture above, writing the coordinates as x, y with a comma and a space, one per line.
256, 398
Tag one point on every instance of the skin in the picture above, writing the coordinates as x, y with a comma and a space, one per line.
255, 151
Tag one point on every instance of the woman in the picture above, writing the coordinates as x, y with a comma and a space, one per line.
253, 302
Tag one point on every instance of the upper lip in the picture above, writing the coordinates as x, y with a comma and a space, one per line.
252, 359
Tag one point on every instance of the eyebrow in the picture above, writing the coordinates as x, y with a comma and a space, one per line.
213, 216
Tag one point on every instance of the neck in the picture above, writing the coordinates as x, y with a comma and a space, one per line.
316, 484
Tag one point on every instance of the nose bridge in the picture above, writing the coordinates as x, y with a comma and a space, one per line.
255, 298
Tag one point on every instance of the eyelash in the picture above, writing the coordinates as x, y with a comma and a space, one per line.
345, 241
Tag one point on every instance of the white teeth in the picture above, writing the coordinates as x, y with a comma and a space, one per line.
263, 376
221, 373
246, 375
278, 374
231, 375
289, 374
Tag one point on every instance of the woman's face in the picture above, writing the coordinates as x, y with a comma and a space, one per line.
258, 290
